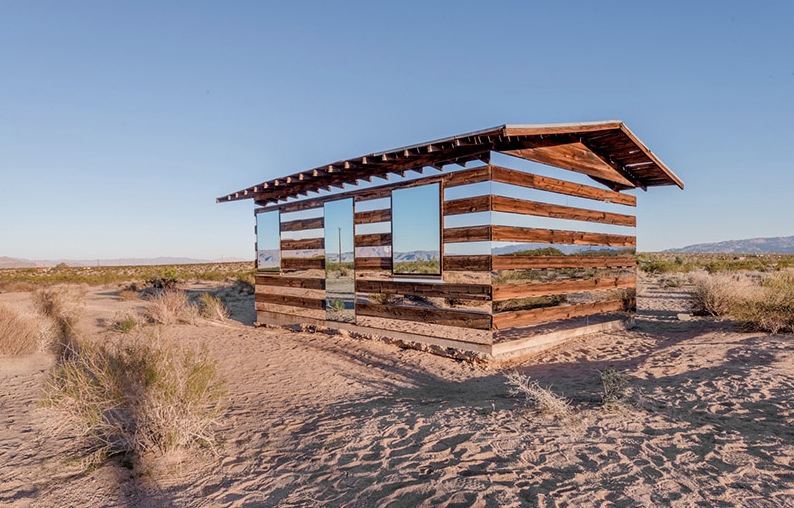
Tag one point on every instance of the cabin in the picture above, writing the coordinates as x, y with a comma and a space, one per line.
492, 244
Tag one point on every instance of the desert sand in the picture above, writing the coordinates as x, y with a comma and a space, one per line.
328, 420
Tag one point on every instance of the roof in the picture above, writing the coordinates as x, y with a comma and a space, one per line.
608, 152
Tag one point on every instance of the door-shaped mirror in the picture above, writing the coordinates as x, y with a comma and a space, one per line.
340, 291
416, 230
268, 241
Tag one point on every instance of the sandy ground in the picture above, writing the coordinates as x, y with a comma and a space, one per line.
319, 420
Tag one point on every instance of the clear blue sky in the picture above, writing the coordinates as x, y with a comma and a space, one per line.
120, 122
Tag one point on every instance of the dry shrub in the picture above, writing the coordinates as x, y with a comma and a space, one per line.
615, 387
171, 306
18, 335
718, 294
543, 400
245, 284
770, 307
126, 322
211, 307
63, 305
143, 394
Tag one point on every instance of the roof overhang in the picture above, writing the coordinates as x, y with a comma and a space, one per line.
608, 152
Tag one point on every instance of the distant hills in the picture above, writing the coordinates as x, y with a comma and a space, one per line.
776, 245
8, 262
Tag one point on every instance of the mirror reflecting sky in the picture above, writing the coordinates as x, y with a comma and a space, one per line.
416, 230
268, 241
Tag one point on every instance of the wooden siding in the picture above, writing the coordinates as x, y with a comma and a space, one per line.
464, 319
302, 263
533, 235
528, 180
426, 289
303, 224
293, 301
513, 319
373, 240
373, 216
290, 282
305, 244
510, 291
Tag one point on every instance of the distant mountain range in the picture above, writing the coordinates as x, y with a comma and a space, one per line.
8, 262
776, 245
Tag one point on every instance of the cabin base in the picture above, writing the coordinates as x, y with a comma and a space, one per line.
505, 351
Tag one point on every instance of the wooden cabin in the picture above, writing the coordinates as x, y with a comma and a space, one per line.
492, 244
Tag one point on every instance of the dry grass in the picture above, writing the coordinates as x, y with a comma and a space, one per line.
18, 335
143, 394
615, 387
170, 307
764, 305
770, 307
543, 400
719, 294
62, 305
126, 322
211, 307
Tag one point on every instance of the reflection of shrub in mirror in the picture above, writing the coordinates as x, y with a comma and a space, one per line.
268, 241
416, 230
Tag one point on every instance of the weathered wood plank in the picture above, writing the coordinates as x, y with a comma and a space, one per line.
468, 234
463, 319
509, 291
303, 224
290, 282
524, 207
293, 301
539, 262
373, 216
373, 263
373, 240
302, 263
468, 263
467, 205
574, 157
528, 180
426, 289
305, 244
532, 235
513, 319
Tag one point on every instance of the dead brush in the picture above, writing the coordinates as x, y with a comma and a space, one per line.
615, 387
719, 294
212, 307
19, 335
138, 395
542, 400
171, 306
126, 322
770, 307
63, 305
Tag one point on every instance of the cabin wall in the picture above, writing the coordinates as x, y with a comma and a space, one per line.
571, 277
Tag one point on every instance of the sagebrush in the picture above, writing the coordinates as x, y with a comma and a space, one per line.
171, 306
138, 395
543, 400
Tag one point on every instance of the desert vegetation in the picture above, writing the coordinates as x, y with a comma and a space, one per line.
28, 279
137, 395
668, 262
19, 334
763, 302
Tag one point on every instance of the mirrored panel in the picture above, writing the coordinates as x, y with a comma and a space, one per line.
268, 241
416, 230
340, 291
